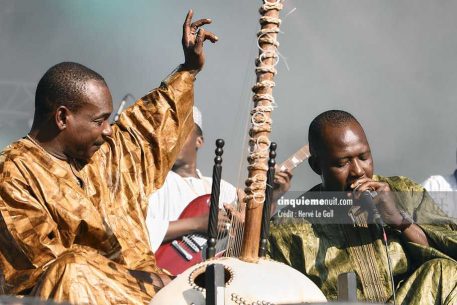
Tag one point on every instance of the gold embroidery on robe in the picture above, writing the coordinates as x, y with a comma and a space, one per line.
69, 241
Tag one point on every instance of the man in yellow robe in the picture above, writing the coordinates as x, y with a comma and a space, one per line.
73, 192
422, 241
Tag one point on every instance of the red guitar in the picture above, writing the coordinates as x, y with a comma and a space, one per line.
176, 256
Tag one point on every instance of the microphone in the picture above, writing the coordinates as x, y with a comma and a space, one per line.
367, 198
122, 105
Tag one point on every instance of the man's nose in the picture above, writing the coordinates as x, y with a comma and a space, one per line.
107, 131
356, 168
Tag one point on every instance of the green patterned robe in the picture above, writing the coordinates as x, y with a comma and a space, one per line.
423, 275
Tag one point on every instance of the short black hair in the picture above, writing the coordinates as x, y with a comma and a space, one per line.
331, 117
63, 85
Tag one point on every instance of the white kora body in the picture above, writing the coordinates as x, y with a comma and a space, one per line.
265, 282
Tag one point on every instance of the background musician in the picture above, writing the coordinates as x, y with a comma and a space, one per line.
185, 183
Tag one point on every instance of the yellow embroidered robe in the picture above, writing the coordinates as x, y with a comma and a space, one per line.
77, 241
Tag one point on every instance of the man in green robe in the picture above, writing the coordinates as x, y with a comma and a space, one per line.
422, 240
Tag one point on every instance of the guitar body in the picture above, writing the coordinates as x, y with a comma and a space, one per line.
196, 207
169, 257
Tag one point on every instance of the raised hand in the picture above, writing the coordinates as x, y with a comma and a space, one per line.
193, 37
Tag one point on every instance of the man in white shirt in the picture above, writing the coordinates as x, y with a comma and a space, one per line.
185, 183
443, 190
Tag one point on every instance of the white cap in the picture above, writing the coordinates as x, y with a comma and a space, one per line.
198, 117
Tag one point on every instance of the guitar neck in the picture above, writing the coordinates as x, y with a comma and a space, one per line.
296, 159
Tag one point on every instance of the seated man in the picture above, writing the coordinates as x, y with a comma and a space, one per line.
73, 192
422, 246
185, 183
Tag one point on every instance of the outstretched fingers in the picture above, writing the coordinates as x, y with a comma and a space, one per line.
200, 22
203, 35
192, 41
187, 24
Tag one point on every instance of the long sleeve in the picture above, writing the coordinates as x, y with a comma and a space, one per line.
148, 136
45, 212
441, 230
135, 161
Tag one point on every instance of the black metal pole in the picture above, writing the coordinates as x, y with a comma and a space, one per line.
265, 230
214, 205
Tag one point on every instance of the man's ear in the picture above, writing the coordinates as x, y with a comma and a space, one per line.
199, 142
61, 117
313, 162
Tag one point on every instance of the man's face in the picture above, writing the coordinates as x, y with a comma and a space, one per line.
188, 153
88, 126
344, 156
